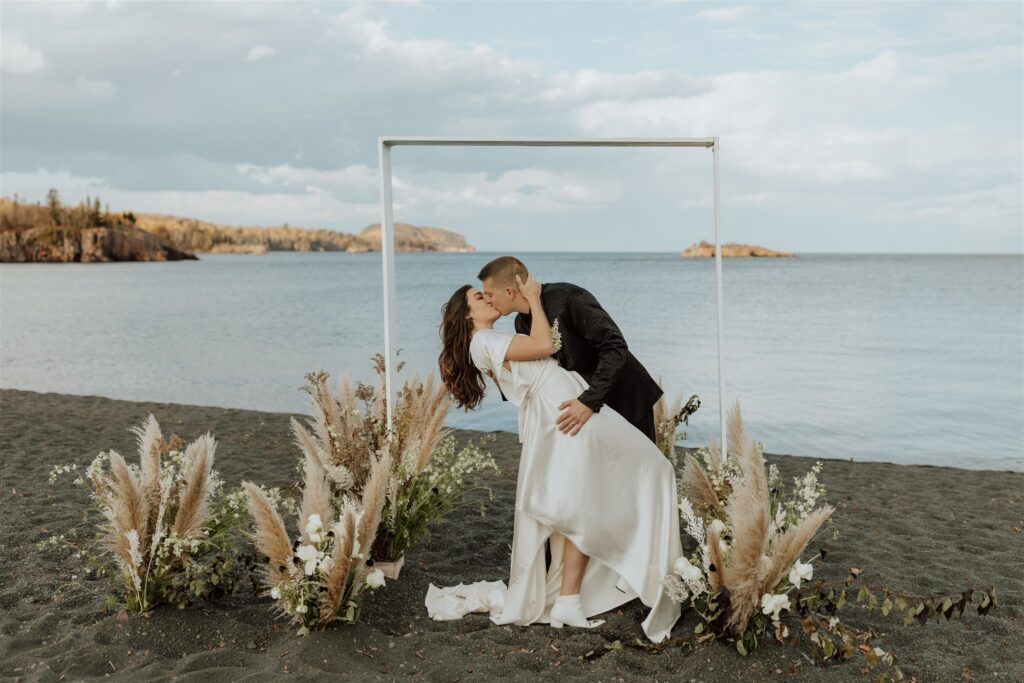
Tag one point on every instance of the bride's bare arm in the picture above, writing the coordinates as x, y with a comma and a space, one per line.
539, 343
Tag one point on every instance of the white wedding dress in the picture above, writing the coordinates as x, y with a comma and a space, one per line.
609, 489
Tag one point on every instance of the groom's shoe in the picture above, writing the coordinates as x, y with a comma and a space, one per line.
568, 610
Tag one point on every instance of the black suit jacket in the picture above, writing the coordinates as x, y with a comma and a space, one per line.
593, 346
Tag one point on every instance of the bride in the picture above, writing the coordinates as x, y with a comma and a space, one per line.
604, 497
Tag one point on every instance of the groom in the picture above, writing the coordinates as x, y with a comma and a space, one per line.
591, 344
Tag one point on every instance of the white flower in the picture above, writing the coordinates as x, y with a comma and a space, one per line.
275, 593
316, 537
800, 572
717, 525
375, 579
314, 524
556, 336
687, 571
308, 554
326, 565
301, 608
773, 604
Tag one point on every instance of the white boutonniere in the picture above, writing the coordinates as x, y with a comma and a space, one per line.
556, 337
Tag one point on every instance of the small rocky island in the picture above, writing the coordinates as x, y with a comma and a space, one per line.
85, 233
706, 250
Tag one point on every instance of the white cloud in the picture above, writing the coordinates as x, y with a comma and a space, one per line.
590, 84
18, 57
95, 90
259, 52
357, 178
724, 13
979, 209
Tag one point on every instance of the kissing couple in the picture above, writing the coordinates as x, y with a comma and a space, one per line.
593, 487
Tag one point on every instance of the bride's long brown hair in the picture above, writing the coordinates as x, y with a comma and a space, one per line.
458, 373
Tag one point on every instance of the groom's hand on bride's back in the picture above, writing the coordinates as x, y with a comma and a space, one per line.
575, 416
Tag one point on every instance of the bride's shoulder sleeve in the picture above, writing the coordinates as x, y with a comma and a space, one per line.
488, 348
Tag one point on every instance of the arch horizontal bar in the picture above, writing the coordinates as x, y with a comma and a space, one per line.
394, 141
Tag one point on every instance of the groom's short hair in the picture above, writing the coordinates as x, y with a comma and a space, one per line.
502, 271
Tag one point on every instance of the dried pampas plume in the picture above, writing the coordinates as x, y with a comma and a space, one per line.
790, 544
715, 563
316, 495
194, 501
269, 534
126, 508
374, 496
700, 489
148, 440
748, 510
337, 579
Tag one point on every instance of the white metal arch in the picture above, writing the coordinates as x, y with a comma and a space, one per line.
388, 234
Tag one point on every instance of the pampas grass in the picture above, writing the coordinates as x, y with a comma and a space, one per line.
160, 526
374, 496
734, 501
316, 496
790, 544
341, 565
320, 578
347, 436
194, 501
701, 490
269, 535
748, 512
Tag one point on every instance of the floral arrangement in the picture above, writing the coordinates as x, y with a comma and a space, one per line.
428, 473
320, 577
667, 420
556, 335
747, 571
168, 526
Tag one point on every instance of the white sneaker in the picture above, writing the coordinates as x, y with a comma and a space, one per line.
568, 610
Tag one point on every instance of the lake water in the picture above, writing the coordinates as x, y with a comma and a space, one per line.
900, 358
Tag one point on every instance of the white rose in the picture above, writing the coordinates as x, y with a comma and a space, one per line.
314, 524
275, 593
800, 572
309, 555
687, 571
773, 604
375, 579
316, 537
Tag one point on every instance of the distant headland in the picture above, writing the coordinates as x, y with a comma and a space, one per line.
85, 233
705, 250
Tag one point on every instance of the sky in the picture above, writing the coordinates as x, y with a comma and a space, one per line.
844, 126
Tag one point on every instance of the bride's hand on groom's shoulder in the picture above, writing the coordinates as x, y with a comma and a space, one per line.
530, 289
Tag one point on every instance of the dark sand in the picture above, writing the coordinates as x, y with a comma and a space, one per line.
926, 529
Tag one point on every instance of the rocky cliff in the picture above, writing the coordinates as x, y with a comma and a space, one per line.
411, 238
33, 232
83, 233
87, 245
199, 236
706, 250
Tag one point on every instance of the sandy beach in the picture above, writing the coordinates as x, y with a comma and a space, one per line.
920, 528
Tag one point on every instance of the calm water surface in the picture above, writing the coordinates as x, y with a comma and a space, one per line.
901, 358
